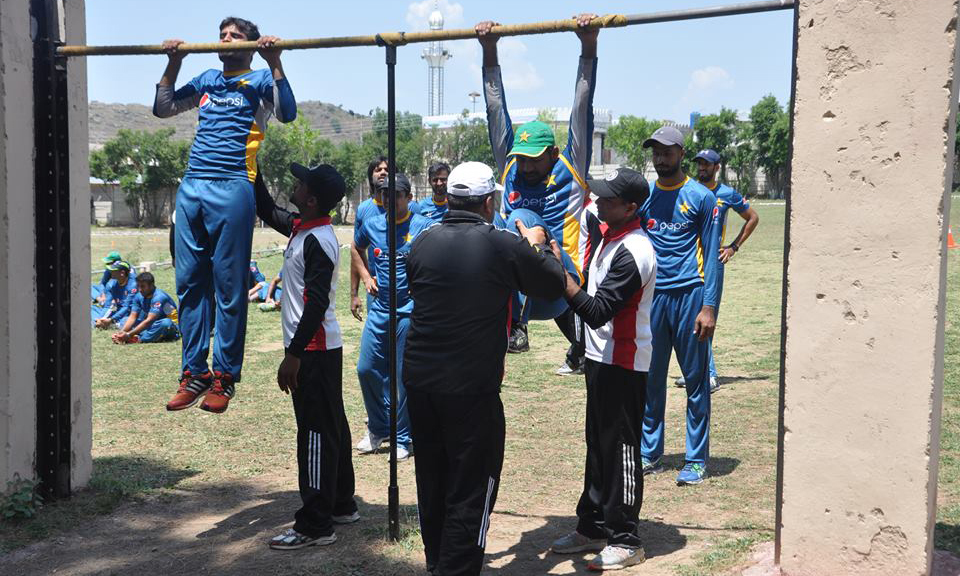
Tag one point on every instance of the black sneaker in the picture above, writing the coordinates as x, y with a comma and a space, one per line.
519, 342
290, 539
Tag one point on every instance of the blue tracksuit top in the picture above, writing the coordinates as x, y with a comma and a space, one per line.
373, 236
123, 297
234, 109
433, 211
159, 303
682, 225
727, 198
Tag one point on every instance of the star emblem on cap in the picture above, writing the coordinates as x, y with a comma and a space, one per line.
524, 136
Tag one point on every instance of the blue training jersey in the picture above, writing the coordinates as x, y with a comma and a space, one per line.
432, 210
122, 299
159, 303
682, 225
256, 276
727, 198
373, 236
234, 108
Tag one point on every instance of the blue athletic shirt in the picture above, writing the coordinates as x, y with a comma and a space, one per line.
373, 236
370, 208
234, 108
682, 225
122, 299
256, 276
160, 303
433, 211
727, 198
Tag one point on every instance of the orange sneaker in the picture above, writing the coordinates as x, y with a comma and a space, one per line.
220, 394
190, 391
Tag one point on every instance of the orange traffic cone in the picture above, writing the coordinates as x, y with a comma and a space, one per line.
951, 243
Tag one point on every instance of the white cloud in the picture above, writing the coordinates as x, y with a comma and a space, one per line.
518, 72
710, 78
703, 89
418, 13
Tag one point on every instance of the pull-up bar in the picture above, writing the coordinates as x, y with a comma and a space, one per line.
401, 38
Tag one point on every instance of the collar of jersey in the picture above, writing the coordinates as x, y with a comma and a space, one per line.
405, 218
237, 73
299, 225
377, 203
674, 187
714, 187
633, 225
444, 203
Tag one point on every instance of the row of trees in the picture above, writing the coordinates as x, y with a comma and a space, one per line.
762, 142
149, 165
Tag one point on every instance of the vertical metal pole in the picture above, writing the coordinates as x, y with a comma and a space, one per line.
393, 510
52, 213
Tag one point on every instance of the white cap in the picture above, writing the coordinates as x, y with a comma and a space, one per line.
472, 179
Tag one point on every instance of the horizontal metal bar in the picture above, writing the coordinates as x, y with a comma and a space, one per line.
401, 38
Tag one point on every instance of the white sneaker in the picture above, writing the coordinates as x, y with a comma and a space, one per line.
714, 384
576, 542
370, 443
616, 558
680, 382
347, 518
566, 370
404, 452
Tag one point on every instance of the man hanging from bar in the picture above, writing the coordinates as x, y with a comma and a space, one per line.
544, 186
215, 204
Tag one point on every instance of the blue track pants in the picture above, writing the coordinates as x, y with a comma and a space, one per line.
373, 371
672, 319
214, 235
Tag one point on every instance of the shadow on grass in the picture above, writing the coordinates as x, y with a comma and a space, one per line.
947, 537
724, 380
717, 466
530, 555
218, 529
115, 479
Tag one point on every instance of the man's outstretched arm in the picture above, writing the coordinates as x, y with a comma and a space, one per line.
580, 141
499, 127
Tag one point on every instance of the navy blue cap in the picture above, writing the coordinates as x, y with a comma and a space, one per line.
323, 181
708, 155
401, 184
622, 183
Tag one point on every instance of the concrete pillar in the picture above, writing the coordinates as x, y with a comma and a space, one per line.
17, 287
865, 285
18, 329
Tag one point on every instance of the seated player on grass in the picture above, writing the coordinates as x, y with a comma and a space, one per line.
258, 284
153, 315
122, 290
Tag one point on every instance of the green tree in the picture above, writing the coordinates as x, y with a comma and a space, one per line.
770, 133
465, 141
740, 159
719, 133
286, 143
148, 166
561, 133
627, 136
410, 141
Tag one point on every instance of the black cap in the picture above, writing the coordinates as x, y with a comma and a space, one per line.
623, 183
323, 181
402, 183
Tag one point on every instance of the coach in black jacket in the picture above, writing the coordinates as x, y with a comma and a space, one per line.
462, 273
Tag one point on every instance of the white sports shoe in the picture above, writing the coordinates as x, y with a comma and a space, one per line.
616, 558
370, 443
404, 452
347, 518
576, 542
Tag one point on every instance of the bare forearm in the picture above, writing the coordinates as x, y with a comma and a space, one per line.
753, 219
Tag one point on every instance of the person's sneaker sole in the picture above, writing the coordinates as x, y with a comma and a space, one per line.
321, 541
639, 559
689, 482
585, 547
199, 397
347, 518
207, 408
655, 470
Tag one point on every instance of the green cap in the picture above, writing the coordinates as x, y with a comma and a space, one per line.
119, 265
111, 257
532, 139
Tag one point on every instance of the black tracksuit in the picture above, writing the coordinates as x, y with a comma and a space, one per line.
462, 275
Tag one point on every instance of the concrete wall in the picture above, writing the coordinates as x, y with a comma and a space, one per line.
865, 285
17, 293
82, 401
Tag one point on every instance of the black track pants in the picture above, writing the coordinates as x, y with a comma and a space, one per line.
324, 454
613, 479
459, 442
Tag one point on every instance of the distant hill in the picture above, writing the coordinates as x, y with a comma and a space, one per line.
106, 120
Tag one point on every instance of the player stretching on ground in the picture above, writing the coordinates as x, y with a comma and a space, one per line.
215, 204
681, 217
708, 163
542, 186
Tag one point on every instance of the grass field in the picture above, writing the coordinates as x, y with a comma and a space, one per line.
143, 454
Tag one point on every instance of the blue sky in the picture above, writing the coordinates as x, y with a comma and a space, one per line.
662, 71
